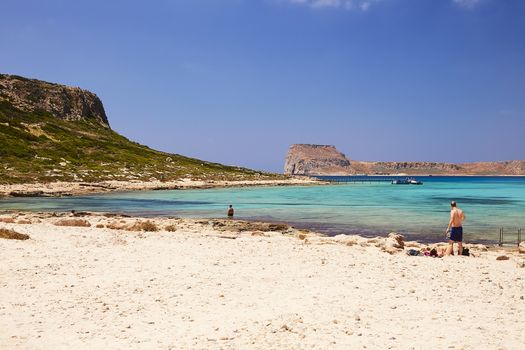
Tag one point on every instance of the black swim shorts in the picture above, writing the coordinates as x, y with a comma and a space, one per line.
456, 234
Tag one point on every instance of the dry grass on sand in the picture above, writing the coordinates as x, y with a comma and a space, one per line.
12, 234
73, 222
147, 226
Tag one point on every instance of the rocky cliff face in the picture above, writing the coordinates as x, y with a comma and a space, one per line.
303, 159
327, 160
64, 102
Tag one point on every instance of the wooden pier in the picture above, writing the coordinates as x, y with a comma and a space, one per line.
356, 179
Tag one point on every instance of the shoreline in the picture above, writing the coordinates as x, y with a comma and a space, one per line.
315, 228
64, 189
134, 283
67, 189
423, 240
24, 217
429, 238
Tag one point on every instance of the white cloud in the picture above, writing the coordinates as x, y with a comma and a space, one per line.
468, 4
364, 5
359, 5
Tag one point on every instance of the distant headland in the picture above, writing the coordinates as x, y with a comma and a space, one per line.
311, 160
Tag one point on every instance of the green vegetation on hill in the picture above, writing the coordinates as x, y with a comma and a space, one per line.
37, 147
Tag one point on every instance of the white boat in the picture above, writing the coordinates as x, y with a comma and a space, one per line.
407, 181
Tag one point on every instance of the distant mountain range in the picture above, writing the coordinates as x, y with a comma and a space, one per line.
51, 132
306, 159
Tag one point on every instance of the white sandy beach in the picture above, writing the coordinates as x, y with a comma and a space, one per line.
204, 288
61, 188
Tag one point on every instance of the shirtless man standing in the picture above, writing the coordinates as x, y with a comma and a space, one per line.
456, 229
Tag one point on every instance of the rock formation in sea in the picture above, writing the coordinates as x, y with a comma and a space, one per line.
63, 102
306, 159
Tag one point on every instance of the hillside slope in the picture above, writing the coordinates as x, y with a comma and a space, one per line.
37, 145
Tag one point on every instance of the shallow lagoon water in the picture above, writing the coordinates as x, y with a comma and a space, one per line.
420, 212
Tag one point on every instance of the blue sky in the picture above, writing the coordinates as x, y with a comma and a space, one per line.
238, 81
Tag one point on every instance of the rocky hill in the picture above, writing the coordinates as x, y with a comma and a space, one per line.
304, 159
51, 132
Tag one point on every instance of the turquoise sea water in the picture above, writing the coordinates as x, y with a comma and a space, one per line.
365, 208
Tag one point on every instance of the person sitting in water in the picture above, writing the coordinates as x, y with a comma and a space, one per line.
455, 225
230, 211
